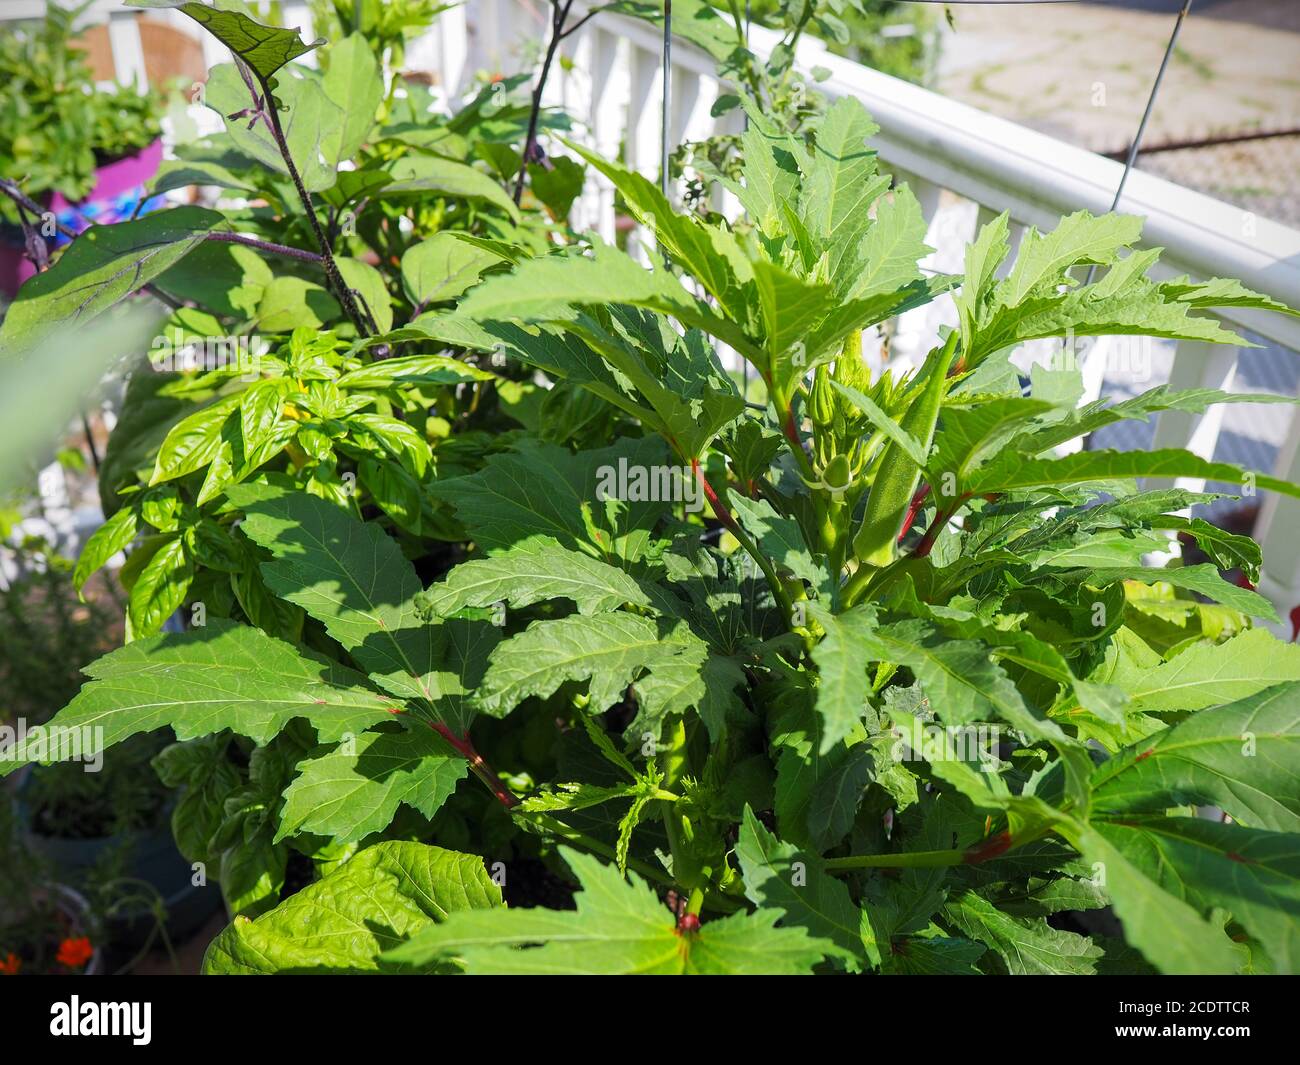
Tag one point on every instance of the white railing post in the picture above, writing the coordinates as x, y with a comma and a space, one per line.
128, 50
604, 118
1195, 365
1277, 531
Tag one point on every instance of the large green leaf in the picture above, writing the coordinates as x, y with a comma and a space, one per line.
1094, 416
779, 876
216, 677
842, 671
709, 253
443, 267
1012, 470
1210, 674
619, 927
1028, 946
310, 120
780, 539
368, 283
355, 789
345, 922
841, 183
265, 49
1242, 757
542, 494
1043, 258
354, 81
352, 577
690, 396
1203, 578
960, 678
886, 258
103, 266
1172, 935
415, 175
610, 650
521, 578
1254, 875
549, 288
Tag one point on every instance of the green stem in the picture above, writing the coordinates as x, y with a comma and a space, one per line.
905, 860
987, 850
672, 763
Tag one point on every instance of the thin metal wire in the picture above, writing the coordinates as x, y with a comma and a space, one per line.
1136, 146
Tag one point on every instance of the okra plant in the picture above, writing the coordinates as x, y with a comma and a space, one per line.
873, 679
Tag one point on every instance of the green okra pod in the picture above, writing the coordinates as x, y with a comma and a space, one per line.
898, 475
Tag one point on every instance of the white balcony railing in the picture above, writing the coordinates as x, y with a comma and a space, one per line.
963, 164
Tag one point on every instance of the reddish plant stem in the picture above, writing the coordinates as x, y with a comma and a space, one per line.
720, 511
480, 768
993, 847
936, 527
792, 430
932, 533
913, 510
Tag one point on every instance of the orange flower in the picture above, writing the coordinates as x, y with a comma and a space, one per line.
74, 953
11, 965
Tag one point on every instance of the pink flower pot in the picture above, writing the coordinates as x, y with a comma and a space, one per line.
119, 184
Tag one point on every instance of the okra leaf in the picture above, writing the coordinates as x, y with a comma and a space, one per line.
355, 789
1028, 946
1240, 757
885, 260
346, 922
1012, 470
609, 650
542, 494
352, 577
1209, 674
841, 658
619, 927
1253, 875
710, 254
841, 183
216, 677
1171, 934
522, 578
781, 540
779, 876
